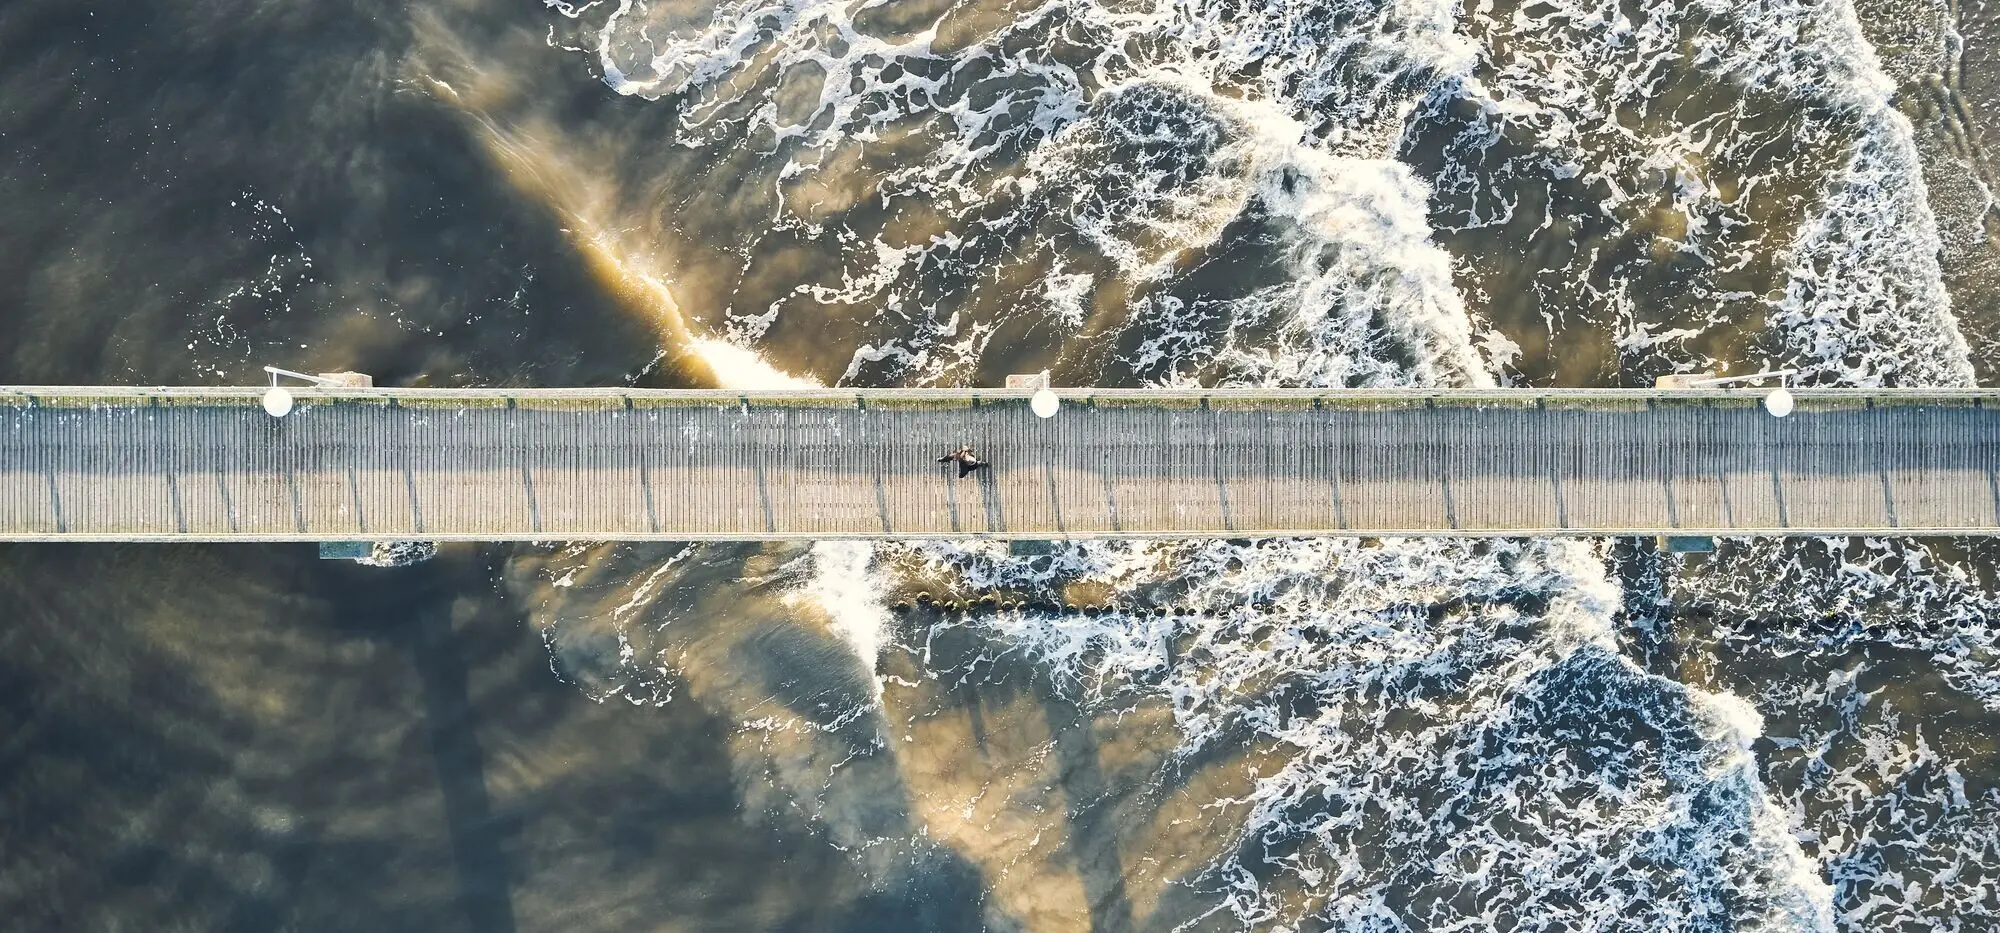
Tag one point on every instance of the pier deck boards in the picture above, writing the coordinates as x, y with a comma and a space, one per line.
109, 463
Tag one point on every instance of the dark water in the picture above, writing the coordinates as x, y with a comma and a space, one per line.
1351, 735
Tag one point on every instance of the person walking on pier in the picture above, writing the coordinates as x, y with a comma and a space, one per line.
966, 460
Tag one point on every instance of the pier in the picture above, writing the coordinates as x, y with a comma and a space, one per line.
358, 463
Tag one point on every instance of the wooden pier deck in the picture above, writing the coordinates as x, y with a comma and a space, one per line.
126, 464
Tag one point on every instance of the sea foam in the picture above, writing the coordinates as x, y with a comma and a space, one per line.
1457, 726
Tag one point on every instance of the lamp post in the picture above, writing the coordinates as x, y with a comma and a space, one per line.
1709, 382
1779, 401
278, 400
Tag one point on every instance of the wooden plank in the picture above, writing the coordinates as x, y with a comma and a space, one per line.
1935, 457
26, 502
1618, 480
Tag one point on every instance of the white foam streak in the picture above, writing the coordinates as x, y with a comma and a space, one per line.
1347, 623
1371, 280
738, 367
1797, 896
1866, 302
1482, 678
1364, 267
845, 584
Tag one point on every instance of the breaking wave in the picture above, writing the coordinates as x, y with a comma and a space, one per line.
1440, 734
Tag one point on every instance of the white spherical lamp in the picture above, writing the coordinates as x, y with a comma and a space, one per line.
1779, 403
1044, 403
277, 402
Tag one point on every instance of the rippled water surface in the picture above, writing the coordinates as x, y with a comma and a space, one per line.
1364, 735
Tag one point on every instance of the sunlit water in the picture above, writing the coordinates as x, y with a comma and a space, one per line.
1366, 735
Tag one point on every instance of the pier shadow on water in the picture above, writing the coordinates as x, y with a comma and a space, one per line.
478, 841
245, 738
